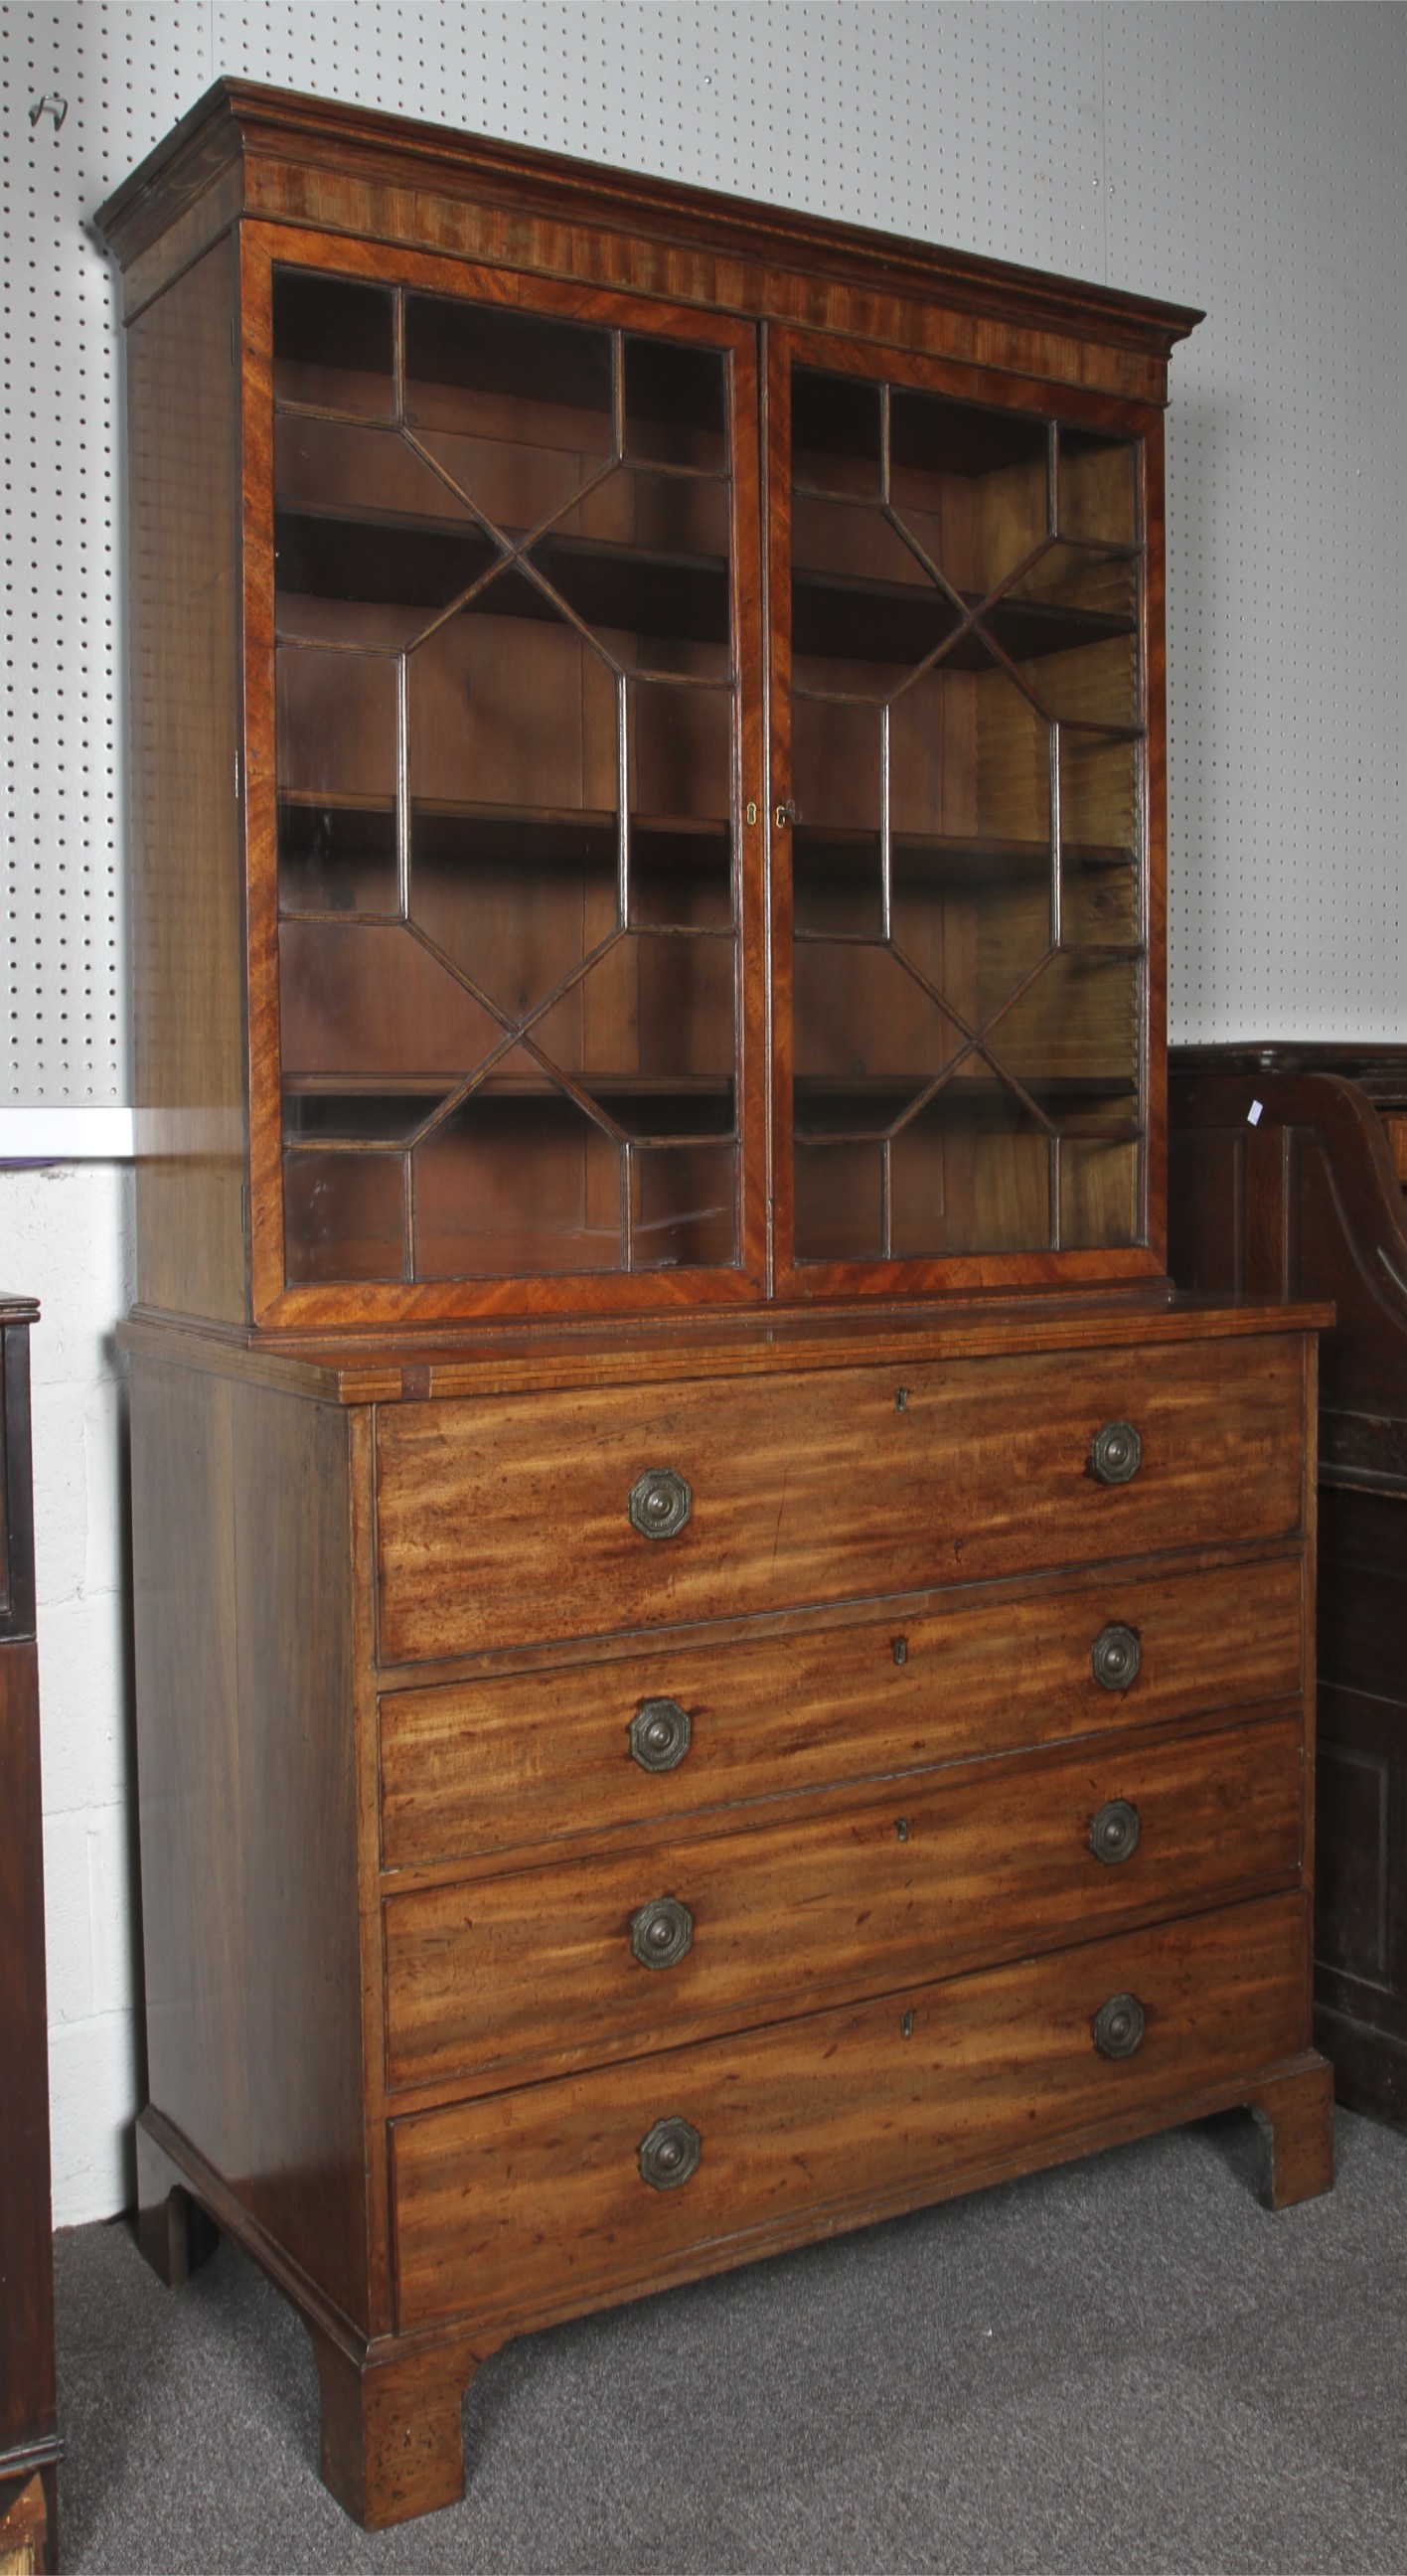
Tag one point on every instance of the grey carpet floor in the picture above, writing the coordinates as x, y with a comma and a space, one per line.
1126, 2365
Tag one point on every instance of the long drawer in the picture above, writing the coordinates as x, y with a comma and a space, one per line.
588, 1958
537, 2201
473, 1768
510, 1519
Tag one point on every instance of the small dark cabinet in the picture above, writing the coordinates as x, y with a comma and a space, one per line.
1287, 1166
29, 2444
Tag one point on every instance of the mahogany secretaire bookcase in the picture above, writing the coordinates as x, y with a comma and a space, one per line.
717, 1656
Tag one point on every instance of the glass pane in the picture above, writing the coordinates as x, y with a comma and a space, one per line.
837, 884
537, 686
1100, 795
355, 1116
333, 342
676, 404
329, 466
1093, 683
970, 765
863, 634
518, 901
867, 1038
1099, 900
836, 765
839, 1202
682, 1206
362, 1000
336, 858
648, 1029
676, 515
517, 1181
337, 725
1098, 488
973, 486
653, 610
347, 581
835, 433
971, 934
344, 1216
525, 379
970, 1173
1097, 590
967, 776
681, 752
1098, 1193
510, 709
1074, 1033
680, 874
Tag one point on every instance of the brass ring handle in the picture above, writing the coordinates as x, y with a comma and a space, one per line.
669, 2153
661, 1932
1119, 2026
659, 1502
1116, 1453
661, 1733
1115, 1657
1113, 1836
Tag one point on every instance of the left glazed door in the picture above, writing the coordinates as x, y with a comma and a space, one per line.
505, 910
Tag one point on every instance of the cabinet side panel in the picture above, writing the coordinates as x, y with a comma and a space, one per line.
247, 1788
293, 1575
192, 1821
186, 906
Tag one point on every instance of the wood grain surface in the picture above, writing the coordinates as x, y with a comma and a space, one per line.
533, 2201
187, 935
351, 170
478, 1768
502, 1522
251, 1926
536, 1969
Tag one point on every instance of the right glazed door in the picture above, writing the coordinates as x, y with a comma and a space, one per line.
967, 718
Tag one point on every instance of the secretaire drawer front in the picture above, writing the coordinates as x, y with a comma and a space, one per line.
546, 2198
470, 1768
592, 1957
589, 1512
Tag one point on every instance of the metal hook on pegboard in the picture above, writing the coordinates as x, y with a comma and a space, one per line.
49, 105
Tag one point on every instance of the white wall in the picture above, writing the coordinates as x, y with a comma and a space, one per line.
1251, 159
67, 1237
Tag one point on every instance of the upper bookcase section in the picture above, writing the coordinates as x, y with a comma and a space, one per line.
648, 743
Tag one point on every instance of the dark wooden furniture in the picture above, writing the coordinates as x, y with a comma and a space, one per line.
1305, 1198
29, 2441
676, 1518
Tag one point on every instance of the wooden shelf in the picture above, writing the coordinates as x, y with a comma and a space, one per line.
376, 559
341, 1112
435, 1086
520, 837
884, 1098
956, 855
838, 617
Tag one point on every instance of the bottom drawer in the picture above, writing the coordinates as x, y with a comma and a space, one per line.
540, 2202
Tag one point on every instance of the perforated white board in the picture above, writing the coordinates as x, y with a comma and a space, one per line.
1251, 159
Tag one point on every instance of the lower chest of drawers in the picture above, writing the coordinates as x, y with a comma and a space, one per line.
864, 1775
555, 1897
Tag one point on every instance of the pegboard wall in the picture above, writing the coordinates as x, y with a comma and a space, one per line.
1253, 160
